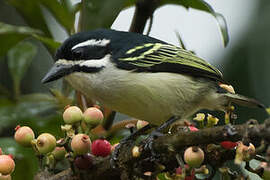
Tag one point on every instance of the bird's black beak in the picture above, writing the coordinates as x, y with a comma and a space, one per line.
57, 71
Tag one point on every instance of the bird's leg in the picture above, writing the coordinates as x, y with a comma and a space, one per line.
129, 140
126, 142
157, 133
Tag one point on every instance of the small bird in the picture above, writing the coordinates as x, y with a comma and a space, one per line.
141, 76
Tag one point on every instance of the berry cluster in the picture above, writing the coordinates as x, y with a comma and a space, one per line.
76, 146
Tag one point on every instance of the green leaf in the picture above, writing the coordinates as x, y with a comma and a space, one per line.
49, 43
19, 60
203, 6
31, 11
61, 13
10, 35
105, 10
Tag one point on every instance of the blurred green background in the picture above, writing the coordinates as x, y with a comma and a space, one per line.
26, 55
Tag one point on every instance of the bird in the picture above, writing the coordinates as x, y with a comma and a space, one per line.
141, 76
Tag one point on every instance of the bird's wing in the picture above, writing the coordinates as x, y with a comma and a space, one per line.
159, 57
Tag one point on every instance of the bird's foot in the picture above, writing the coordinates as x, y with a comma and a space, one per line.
148, 142
125, 143
230, 130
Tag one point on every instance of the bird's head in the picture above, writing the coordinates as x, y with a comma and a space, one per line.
83, 52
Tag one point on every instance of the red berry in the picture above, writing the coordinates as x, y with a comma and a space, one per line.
7, 165
228, 144
24, 135
101, 147
1, 152
84, 161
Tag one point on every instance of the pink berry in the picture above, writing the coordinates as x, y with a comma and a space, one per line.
80, 144
7, 165
193, 128
93, 116
101, 147
24, 135
178, 170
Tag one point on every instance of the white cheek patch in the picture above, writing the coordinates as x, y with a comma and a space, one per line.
92, 42
96, 63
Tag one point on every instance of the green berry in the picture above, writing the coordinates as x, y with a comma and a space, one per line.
72, 115
59, 153
45, 143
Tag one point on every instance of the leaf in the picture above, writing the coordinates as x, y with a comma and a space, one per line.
106, 11
19, 60
203, 6
31, 11
61, 13
10, 35
49, 43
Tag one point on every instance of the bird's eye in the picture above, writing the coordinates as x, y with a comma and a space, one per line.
77, 53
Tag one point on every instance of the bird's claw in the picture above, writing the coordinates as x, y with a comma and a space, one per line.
230, 130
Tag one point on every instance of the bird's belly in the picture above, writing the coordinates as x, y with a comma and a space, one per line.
152, 97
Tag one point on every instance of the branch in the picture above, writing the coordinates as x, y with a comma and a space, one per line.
144, 9
168, 146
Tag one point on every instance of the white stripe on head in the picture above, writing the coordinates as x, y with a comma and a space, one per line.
98, 63
92, 42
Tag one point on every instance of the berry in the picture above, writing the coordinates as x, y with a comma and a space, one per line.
228, 144
80, 144
59, 153
140, 124
72, 115
7, 165
193, 128
178, 170
84, 161
194, 156
45, 143
93, 116
24, 135
6, 177
101, 147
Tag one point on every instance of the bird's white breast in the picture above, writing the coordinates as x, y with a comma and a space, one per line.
153, 97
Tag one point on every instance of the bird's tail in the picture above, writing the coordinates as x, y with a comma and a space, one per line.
244, 101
